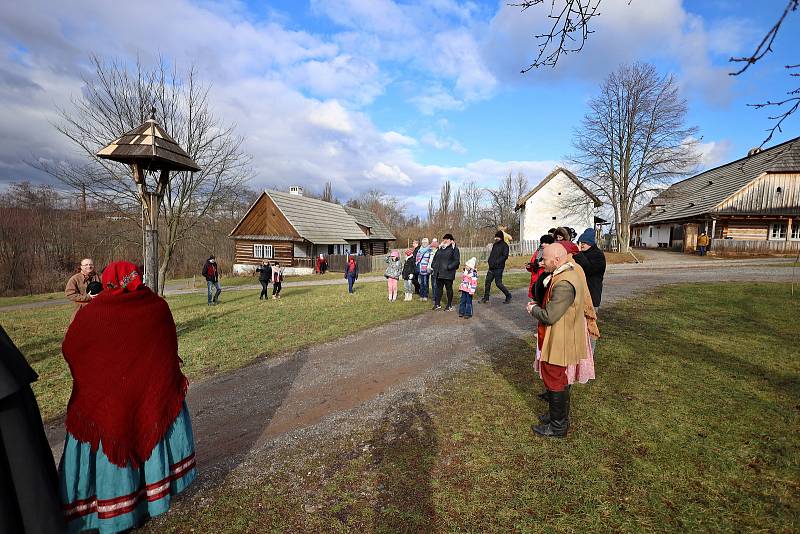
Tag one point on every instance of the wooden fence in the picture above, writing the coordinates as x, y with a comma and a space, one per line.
752, 246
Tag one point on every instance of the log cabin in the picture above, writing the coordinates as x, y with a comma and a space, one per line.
748, 206
294, 229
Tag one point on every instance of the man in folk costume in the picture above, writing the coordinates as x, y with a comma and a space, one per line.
562, 335
129, 446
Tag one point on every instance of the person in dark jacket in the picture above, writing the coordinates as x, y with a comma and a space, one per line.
409, 274
445, 264
211, 274
29, 498
593, 262
351, 273
497, 264
266, 275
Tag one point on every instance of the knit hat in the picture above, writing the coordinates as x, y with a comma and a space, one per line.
448, 236
588, 237
395, 254
471, 263
547, 239
499, 234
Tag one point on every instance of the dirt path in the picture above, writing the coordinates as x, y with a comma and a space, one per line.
244, 411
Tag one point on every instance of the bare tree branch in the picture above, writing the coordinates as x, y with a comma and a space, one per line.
765, 46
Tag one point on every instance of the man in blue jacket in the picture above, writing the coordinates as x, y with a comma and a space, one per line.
497, 264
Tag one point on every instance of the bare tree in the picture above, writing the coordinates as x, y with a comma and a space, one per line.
568, 31
388, 209
117, 99
502, 200
327, 193
473, 200
791, 103
634, 141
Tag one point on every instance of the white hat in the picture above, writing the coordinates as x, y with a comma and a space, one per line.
471, 263
425, 241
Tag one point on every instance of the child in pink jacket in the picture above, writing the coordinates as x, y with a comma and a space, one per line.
469, 283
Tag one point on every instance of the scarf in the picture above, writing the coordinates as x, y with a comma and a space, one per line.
122, 351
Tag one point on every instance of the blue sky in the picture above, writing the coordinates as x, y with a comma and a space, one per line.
398, 95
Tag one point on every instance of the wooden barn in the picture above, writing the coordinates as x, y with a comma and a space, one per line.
293, 229
747, 206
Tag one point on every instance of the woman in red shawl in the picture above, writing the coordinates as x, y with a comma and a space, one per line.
129, 445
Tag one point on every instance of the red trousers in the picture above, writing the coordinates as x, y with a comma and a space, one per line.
553, 376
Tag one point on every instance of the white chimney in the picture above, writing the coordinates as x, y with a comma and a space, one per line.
296, 190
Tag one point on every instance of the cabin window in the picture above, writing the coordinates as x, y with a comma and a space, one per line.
554, 218
262, 251
651, 231
796, 229
777, 231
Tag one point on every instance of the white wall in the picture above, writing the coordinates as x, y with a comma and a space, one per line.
660, 235
537, 216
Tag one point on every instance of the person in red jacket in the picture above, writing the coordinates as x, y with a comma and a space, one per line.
535, 266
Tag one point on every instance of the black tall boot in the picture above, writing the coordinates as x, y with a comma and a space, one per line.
544, 419
559, 416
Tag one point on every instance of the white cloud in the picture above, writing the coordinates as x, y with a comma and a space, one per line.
396, 138
384, 173
448, 143
714, 153
330, 115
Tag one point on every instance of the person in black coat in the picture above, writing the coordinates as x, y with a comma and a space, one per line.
415, 280
445, 264
29, 498
497, 264
593, 262
264, 277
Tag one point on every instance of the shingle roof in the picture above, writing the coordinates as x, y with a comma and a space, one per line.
569, 174
150, 146
378, 230
320, 222
704, 192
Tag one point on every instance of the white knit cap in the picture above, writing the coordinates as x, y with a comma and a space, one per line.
471, 263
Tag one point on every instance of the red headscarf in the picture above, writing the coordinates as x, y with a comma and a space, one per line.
121, 276
569, 246
122, 351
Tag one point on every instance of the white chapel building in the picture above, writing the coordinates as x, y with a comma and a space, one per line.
559, 200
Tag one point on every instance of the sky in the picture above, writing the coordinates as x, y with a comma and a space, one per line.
389, 94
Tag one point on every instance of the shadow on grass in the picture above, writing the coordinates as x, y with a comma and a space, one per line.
404, 450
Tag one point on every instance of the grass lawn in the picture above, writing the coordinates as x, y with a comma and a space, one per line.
25, 299
692, 425
220, 338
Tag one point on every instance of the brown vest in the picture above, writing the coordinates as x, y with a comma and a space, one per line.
565, 341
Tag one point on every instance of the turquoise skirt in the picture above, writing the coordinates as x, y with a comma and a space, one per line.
100, 495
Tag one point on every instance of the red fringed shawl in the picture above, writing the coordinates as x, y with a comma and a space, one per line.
128, 388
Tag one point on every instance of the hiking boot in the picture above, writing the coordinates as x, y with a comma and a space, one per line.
449, 308
508, 299
436, 307
544, 395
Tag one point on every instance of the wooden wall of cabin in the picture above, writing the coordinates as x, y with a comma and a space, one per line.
753, 229
282, 251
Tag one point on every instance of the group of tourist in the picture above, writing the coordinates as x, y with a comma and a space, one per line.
129, 446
